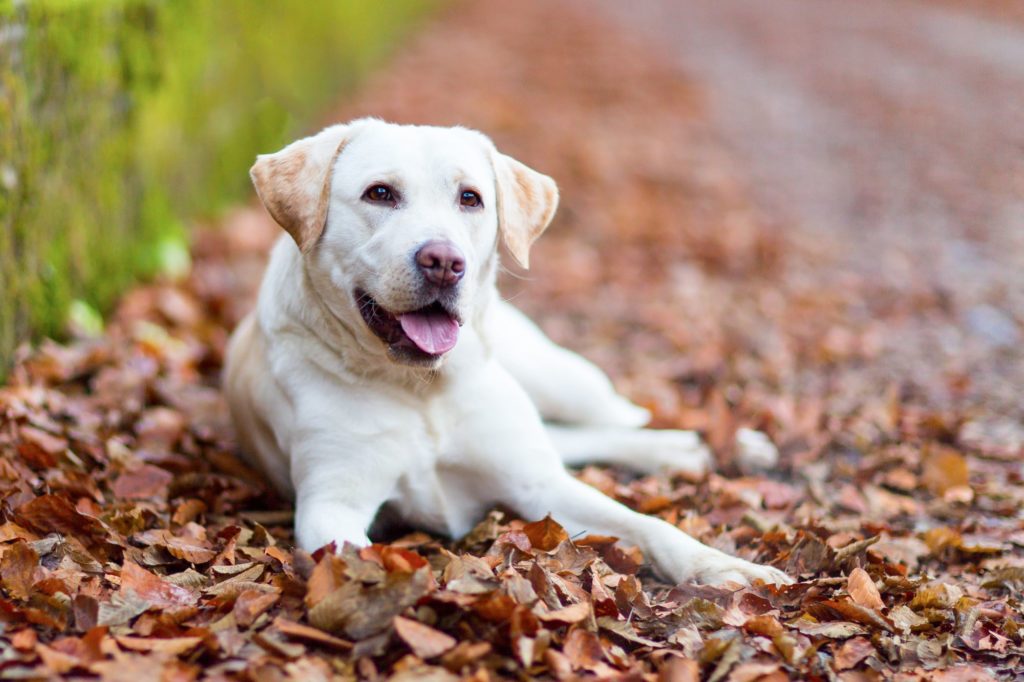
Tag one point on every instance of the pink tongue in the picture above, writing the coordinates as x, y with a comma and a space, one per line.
432, 331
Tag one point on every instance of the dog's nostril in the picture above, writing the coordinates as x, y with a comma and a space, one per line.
441, 262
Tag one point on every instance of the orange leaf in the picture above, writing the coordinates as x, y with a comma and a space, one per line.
250, 604
862, 589
583, 649
944, 468
153, 588
545, 534
425, 641
853, 652
327, 576
142, 483
310, 634
19, 569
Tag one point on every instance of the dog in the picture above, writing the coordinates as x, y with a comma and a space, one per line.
381, 365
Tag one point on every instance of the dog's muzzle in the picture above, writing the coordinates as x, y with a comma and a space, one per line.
423, 334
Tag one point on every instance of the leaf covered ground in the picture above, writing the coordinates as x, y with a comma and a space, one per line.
134, 544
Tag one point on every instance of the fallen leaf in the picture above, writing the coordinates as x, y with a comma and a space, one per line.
583, 649
944, 468
545, 534
936, 595
19, 569
425, 641
54, 513
142, 483
863, 591
153, 589
360, 612
173, 646
852, 652
309, 634
250, 604
573, 613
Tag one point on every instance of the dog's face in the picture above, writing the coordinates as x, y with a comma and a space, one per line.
399, 226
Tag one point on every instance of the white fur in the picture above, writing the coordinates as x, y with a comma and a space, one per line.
333, 419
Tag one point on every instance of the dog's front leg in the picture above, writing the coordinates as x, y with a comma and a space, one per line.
675, 555
345, 463
514, 461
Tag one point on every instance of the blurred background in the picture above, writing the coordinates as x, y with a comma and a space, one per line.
787, 208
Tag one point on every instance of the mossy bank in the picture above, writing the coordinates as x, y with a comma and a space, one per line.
123, 121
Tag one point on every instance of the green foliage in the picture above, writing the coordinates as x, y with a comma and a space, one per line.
121, 120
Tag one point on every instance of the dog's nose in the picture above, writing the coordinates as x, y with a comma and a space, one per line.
441, 262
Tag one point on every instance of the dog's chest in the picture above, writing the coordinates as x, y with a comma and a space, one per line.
434, 492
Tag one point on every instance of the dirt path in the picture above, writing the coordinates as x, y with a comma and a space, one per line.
891, 133
699, 258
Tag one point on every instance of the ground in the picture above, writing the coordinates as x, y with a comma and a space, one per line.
879, 349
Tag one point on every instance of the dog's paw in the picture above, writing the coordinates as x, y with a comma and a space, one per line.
672, 450
620, 412
680, 451
692, 562
742, 572
754, 451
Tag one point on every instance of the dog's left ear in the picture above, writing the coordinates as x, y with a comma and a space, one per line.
295, 183
526, 204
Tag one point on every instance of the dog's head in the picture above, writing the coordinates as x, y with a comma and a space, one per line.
399, 225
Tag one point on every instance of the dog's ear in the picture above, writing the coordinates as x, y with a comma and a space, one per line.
526, 204
295, 183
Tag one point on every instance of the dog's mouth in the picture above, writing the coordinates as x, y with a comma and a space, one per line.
426, 333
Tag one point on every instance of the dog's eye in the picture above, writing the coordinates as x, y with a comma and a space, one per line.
380, 193
471, 199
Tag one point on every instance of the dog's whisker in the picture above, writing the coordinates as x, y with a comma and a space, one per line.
521, 276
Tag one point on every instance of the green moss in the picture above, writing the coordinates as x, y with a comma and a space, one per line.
123, 120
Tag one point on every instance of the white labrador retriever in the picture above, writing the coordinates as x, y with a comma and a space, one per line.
381, 365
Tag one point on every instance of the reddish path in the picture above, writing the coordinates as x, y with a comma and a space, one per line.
891, 135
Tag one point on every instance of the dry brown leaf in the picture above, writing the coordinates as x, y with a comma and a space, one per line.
573, 613
360, 611
20, 569
50, 444
545, 534
944, 468
142, 483
175, 646
327, 576
250, 604
466, 653
678, 669
757, 672
936, 595
308, 634
192, 550
425, 641
863, 591
852, 652
583, 649
54, 513
153, 589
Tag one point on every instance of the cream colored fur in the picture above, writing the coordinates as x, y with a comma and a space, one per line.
337, 420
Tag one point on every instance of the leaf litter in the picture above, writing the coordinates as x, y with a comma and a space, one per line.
135, 543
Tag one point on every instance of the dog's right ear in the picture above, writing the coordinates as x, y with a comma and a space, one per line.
295, 183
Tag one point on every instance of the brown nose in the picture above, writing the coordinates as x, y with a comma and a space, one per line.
441, 262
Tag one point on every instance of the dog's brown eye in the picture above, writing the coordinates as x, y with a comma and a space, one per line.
471, 199
381, 193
